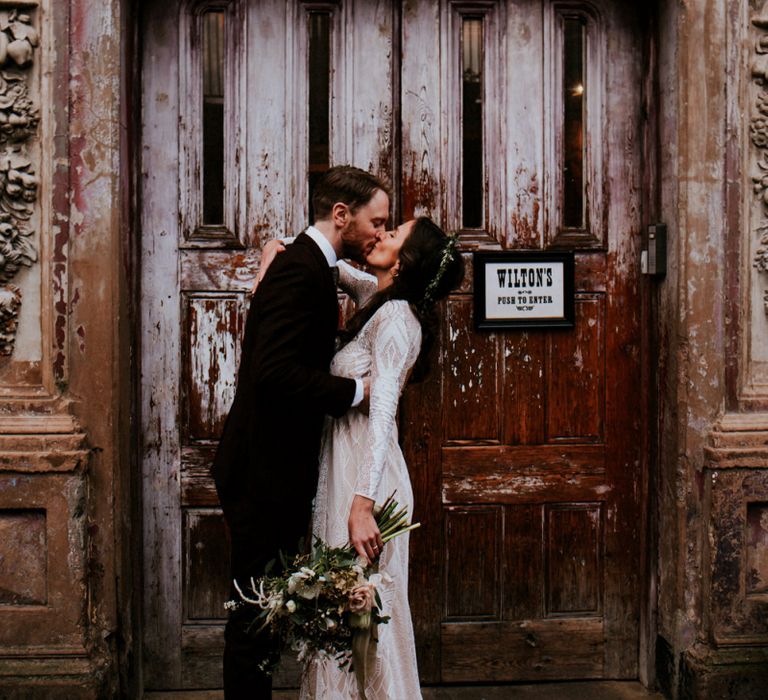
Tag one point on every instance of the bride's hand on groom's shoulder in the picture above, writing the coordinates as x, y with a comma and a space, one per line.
269, 252
364, 534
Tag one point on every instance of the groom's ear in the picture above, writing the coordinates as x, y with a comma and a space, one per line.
340, 214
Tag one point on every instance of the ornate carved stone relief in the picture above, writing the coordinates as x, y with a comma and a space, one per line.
19, 117
10, 301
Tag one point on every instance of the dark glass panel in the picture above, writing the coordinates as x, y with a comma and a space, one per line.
319, 70
574, 93
472, 122
213, 118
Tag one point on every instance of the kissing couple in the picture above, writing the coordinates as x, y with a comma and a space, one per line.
296, 369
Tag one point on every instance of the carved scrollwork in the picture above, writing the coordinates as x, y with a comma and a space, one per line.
762, 103
758, 128
19, 118
18, 114
760, 179
761, 260
18, 38
758, 132
18, 185
16, 249
10, 303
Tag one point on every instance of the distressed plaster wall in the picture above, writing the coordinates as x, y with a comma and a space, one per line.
704, 321
65, 432
101, 348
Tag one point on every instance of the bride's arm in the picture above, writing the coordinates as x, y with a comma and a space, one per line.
396, 341
358, 284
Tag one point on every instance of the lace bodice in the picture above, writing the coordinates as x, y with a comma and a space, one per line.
385, 349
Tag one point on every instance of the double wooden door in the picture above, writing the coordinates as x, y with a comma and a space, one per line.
515, 122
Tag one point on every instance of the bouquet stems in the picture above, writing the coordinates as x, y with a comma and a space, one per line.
391, 521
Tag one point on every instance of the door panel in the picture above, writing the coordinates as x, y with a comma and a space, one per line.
473, 537
212, 325
522, 445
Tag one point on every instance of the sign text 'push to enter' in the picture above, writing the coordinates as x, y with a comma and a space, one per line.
523, 289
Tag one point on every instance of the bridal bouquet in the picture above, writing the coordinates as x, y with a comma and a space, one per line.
325, 602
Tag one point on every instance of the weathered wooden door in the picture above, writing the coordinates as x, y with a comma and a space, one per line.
524, 447
514, 122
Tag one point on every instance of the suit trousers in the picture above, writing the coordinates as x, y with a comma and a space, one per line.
255, 541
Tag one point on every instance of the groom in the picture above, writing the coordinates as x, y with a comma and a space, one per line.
266, 464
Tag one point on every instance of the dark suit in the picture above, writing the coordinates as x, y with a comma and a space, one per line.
266, 465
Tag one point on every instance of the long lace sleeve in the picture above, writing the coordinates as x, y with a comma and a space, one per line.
358, 284
395, 342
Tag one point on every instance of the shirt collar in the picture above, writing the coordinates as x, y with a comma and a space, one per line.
324, 244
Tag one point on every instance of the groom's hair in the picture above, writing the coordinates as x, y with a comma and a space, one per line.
347, 184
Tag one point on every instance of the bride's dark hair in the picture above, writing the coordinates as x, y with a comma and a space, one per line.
430, 268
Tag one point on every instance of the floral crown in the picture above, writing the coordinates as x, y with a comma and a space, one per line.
445, 260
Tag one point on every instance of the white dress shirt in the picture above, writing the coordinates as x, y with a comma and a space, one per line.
330, 255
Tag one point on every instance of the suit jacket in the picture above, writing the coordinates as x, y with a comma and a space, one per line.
268, 453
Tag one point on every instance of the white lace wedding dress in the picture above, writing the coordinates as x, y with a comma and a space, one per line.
361, 455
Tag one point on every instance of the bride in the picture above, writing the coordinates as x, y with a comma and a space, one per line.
388, 340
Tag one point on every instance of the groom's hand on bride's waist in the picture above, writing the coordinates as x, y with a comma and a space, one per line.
364, 534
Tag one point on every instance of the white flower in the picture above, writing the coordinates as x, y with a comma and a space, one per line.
330, 623
290, 606
297, 578
379, 579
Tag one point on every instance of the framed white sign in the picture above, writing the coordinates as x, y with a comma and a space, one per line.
523, 289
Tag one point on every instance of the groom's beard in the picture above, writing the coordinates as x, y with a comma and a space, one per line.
356, 245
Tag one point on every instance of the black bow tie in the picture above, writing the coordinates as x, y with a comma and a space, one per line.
335, 275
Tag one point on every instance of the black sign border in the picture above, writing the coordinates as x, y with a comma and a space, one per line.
481, 258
